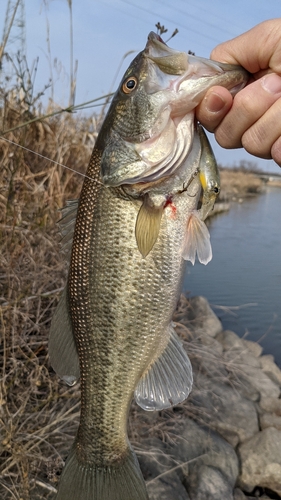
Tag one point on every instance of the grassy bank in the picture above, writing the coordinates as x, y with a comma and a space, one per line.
237, 184
37, 413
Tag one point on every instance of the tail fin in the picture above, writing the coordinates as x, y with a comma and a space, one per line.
88, 482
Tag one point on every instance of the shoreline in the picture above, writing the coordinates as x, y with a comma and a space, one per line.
224, 441
238, 185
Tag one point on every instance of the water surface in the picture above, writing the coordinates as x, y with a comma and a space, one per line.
245, 272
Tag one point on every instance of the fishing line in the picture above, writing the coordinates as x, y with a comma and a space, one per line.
49, 159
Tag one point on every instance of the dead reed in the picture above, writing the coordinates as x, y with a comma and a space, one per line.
38, 415
237, 184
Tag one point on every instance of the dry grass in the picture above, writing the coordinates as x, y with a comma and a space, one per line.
237, 184
274, 183
38, 415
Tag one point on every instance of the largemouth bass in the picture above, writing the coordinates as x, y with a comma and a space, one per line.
113, 325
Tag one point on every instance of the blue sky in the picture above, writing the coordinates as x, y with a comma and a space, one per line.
104, 30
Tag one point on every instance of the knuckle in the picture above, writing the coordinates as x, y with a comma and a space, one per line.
226, 139
254, 142
246, 103
276, 151
262, 138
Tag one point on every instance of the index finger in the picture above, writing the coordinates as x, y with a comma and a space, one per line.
256, 50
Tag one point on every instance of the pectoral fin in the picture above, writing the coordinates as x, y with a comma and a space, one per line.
62, 346
197, 240
169, 379
147, 226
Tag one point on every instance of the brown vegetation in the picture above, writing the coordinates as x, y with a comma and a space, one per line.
238, 184
38, 414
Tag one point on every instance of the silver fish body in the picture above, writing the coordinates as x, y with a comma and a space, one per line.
113, 325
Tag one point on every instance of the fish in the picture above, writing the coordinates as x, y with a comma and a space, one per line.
113, 325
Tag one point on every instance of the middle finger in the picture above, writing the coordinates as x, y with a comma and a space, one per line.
248, 107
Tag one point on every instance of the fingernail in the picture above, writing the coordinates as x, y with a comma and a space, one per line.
214, 103
271, 83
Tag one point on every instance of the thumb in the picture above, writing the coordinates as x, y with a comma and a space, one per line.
213, 108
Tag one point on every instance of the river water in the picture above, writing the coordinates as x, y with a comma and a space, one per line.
243, 280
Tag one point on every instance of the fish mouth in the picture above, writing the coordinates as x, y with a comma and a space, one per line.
186, 78
181, 68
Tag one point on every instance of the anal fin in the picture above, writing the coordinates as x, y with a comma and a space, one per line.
169, 379
62, 346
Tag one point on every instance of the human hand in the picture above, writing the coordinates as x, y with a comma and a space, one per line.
252, 118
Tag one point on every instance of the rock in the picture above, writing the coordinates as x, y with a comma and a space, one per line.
155, 460
239, 495
194, 464
158, 469
270, 420
243, 385
260, 381
230, 377
168, 487
211, 485
211, 345
244, 366
270, 368
255, 348
235, 351
225, 410
200, 318
261, 461
205, 353
230, 341
195, 446
270, 404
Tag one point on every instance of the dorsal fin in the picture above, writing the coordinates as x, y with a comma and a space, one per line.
67, 225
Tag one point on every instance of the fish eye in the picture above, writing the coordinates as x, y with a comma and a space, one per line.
129, 84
